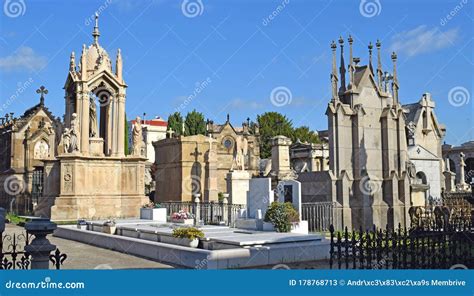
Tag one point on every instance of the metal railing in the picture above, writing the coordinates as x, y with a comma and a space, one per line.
318, 214
209, 213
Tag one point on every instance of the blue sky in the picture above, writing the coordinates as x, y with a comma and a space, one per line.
169, 50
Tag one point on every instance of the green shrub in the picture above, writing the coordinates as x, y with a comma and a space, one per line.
188, 232
281, 215
15, 219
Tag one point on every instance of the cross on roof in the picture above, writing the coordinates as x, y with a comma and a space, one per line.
43, 91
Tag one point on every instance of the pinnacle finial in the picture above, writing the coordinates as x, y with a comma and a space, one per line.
394, 56
333, 45
43, 91
378, 43
341, 41
96, 33
350, 39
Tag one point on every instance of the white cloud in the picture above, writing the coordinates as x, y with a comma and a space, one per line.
422, 40
24, 58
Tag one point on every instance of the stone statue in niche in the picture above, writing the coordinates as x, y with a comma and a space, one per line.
74, 133
41, 150
92, 117
137, 136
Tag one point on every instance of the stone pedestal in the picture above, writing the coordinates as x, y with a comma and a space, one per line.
237, 186
449, 180
80, 187
96, 146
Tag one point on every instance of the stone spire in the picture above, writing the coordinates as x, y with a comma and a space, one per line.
118, 65
72, 62
83, 63
395, 80
379, 64
342, 68
351, 62
96, 33
334, 71
370, 57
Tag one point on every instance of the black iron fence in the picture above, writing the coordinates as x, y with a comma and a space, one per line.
318, 214
208, 212
417, 248
13, 254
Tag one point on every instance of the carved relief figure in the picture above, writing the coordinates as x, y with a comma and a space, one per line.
137, 136
41, 150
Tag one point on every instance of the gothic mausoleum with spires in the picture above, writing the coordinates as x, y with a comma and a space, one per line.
384, 157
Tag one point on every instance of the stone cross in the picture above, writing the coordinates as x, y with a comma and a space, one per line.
43, 91
196, 154
170, 133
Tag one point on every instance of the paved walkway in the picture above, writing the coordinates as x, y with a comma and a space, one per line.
83, 256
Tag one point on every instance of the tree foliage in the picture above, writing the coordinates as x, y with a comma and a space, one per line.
175, 123
304, 134
195, 124
272, 124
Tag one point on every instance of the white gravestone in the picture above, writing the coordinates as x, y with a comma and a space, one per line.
259, 197
290, 191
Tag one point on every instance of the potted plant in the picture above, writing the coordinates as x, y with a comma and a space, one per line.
282, 216
153, 211
183, 217
184, 236
109, 227
82, 224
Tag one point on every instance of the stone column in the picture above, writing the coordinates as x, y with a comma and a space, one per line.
121, 125
40, 248
280, 155
83, 116
197, 205
225, 207
462, 177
